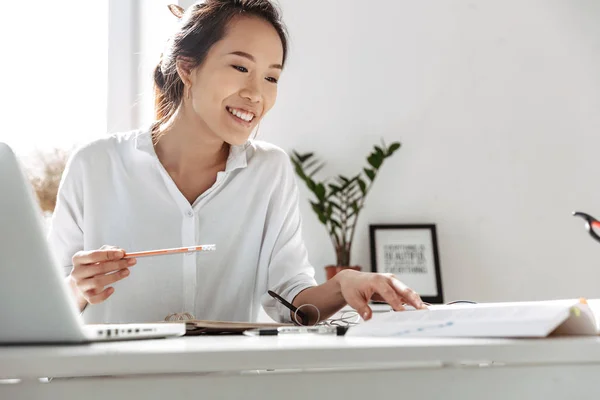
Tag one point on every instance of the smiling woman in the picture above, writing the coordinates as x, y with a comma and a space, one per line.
195, 176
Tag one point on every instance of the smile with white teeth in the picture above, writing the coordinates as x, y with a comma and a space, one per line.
241, 114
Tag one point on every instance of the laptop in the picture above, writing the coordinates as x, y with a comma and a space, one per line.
35, 303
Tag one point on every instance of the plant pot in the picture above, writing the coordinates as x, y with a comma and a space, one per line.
332, 270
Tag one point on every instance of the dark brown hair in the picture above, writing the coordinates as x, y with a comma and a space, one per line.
201, 26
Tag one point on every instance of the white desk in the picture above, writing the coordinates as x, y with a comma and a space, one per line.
300, 368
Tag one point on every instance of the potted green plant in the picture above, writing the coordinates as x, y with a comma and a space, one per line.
339, 201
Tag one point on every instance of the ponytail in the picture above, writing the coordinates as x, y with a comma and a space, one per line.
168, 90
160, 100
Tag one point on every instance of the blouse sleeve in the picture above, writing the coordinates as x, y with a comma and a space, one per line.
289, 271
65, 235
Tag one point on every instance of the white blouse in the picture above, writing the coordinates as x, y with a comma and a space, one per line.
114, 191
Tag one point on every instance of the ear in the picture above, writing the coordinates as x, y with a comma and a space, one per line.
177, 11
185, 68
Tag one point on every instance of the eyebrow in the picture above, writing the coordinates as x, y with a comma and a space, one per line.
251, 58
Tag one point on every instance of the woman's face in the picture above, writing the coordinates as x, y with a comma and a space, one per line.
236, 84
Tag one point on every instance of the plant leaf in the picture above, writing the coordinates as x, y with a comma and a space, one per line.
335, 223
352, 214
334, 188
353, 191
353, 200
345, 183
335, 205
300, 172
375, 160
370, 173
311, 163
362, 185
317, 169
320, 191
379, 151
323, 219
342, 179
303, 157
319, 209
393, 147
355, 207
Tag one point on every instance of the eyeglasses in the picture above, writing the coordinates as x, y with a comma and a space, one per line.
346, 319
291, 307
182, 316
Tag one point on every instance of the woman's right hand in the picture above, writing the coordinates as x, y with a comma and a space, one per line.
94, 270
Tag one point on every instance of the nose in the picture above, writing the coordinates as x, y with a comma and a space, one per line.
251, 91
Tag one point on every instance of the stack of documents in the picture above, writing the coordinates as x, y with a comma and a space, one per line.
522, 319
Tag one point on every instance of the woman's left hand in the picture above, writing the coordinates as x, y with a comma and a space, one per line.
360, 287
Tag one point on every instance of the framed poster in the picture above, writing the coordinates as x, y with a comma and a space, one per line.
411, 253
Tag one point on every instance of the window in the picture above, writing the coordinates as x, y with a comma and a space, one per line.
54, 74
73, 71
138, 31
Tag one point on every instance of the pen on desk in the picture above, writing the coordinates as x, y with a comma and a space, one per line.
294, 330
162, 252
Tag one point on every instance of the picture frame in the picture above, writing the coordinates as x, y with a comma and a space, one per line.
410, 252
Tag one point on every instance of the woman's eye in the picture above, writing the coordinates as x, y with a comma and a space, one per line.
271, 79
239, 68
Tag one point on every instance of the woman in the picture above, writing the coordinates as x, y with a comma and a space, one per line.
195, 177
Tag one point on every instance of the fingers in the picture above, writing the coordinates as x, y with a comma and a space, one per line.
98, 282
388, 293
409, 295
87, 271
359, 290
96, 256
396, 293
94, 270
360, 304
94, 298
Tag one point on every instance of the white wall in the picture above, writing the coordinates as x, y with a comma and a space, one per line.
497, 104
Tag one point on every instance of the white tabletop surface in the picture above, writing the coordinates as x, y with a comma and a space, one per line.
238, 353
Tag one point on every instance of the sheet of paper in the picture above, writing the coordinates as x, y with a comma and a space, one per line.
507, 319
594, 305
